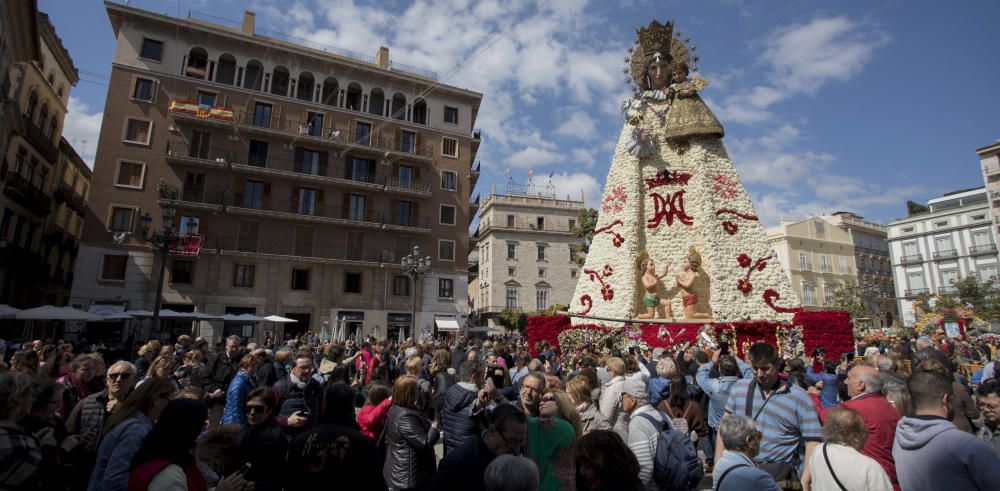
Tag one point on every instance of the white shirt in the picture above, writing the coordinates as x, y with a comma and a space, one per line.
855, 470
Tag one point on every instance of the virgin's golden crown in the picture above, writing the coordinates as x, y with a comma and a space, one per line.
655, 38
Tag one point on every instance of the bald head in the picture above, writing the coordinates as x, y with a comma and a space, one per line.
863, 379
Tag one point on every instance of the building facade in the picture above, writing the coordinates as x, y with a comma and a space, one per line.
526, 255
300, 175
36, 85
817, 256
989, 162
874, 267
931, 251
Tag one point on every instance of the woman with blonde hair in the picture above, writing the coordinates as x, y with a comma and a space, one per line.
162, 367
410, 461
556, 403
579, 392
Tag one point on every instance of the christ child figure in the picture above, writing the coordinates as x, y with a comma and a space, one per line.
685, 282
651, 283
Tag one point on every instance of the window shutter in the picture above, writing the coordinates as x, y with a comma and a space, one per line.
267, 196
371, 168
241, 187
298, 158
399, 140
416, 173
320, 198
348, 166
323, 158
202, 226
347, 205
135, 80
296, 194
352, 127
418, 142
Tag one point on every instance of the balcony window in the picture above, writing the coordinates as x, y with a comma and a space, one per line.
151, 50
243, 275
304, 241
356, 207
314, 124
262, 115
247, 235
352, 282
420, 112
407, 141
354, 94
362, 133
226, 72
540, 223
257, 157
206, 99
253, 194
512, 298
541, 299
138, 131
279, 81
197, 63
446, 288
308, 161
448, 180
406, 173
362, 170
300, 279
305, 87
401, 286
143, 90
446, 250
376, 102
121, 219
130, 174
194, 187
307, 201
200, 142
451, 115
404, 213
113, 267
447, 215
182, 272
510, 221
449, 147
331, 92
189, 225
253, 76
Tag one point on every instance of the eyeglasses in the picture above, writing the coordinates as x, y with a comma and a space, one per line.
120, 376
549, 399
256, 408
512, 445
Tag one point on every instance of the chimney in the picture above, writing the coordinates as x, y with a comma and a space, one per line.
248, 22
382, 58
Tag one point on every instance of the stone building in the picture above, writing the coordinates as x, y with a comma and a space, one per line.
932, 250
989, 162
298, 175
37, 76
526, 256
817, 257
874, 267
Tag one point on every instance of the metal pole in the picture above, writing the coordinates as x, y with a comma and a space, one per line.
413, 316
159, 289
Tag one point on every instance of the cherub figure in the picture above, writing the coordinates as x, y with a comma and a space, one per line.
685, 280
651, 283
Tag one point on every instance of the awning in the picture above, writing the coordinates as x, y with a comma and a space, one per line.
446, 324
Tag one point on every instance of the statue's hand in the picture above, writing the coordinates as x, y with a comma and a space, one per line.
644, 134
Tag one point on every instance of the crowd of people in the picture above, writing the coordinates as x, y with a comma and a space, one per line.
483, 414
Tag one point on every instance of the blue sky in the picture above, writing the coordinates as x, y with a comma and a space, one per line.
848, 105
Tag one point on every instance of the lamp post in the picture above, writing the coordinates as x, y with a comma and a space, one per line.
415, 267
160, 241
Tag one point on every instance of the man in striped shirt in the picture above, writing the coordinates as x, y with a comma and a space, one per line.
783, 413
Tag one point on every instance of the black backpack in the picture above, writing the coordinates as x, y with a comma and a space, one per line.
676, 466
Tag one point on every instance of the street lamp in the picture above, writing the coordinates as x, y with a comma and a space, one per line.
416, 267
162, 241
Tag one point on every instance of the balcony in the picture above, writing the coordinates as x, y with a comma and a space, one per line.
179, 153
522, 227
979, 250
191, 111
476, 140
474, 204
474, 172
37, 138
947, 290
914, 292
912, 258
195, 198
316, 210
946, 254
874, 252
990, 170
74, 200
24, 192
312, 251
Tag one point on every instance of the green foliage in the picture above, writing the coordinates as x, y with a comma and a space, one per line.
513, 320
849, 298
586, 222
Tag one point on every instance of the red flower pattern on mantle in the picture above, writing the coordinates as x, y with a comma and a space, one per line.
745, 261
616, 238
730, 227
607, 292
771, 295
668, 209
665, 177
613, 202
588, 302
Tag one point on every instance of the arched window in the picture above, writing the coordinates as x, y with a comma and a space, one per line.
52, 78
43, 115
420, 112
376, 102
353, 97
330, 91
225, 73
398, 107
59, 91
29, 109
197, 63
279, 81
305, 87
253, 79
53, 123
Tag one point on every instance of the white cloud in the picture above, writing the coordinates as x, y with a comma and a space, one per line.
82, 129
533, 157
582, 156
570, 185
578, 125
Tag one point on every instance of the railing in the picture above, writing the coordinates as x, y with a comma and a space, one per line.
477, 134
523, 226
474, 167
912, 258
423, 72
316, 209
916, 291
41, 142
183, 151
27, 194
192, 195
946, 254
874, 252
531, 200
409, 184
947, 290
313, 250
982, 249
290, 126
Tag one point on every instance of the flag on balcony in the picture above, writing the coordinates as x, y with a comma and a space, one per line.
186, 245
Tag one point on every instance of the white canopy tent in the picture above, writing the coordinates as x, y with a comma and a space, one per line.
8, 312
53, 313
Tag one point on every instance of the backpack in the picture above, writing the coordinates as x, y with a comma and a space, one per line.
676, 466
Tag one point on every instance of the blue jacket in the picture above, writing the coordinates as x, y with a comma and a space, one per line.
743, 478
718, 389
236, 398
659, 389
828, 395
114, 456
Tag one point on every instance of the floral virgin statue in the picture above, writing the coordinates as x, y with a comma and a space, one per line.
673, 195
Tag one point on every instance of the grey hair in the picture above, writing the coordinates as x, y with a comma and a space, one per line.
735, 430
884, 363
126, 364
873, 381
539, 376
511, 473
923, 343
236, 339
665, 367
534, 364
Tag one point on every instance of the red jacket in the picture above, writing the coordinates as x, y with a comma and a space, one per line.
372, 419
880, 419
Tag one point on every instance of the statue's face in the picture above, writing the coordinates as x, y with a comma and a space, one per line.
658, 74
650, 267
678, 75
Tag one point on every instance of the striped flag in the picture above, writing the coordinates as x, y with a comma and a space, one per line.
506, 169
531, 172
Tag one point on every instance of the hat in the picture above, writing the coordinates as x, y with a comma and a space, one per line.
637, 389
326, 366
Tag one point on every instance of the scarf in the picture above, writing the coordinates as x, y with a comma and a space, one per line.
298, 383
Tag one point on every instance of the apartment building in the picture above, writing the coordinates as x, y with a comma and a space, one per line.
64, 226
300, 175
930, 251
817, 256
989, 162
37, 76
526, 255
874, 268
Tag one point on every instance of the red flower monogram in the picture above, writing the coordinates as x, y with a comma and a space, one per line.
616, 238
729, 226
588, 302
771, 295
607, 291
744, 286
745, 261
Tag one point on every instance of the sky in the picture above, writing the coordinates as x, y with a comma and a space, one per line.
828, 106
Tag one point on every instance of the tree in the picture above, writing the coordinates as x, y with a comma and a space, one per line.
586, 222
849, 298
914, 208
971, 293
513, 320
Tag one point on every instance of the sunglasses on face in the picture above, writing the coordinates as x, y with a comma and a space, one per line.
548, 399
256, 408
119, 376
